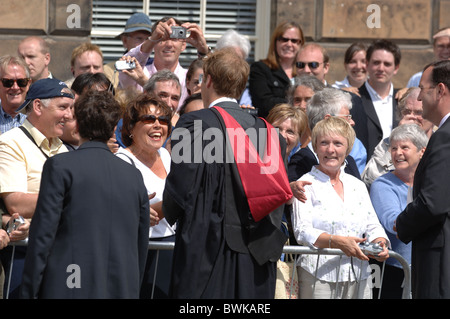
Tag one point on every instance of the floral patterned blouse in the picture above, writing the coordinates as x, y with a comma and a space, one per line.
326, 212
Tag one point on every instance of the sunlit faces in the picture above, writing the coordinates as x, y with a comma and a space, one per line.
331, 151
287, 50
166, 53
133, 39
427, 96
87, 62
442, 48
169, 92
150, 135
194, 85
405, 155
301, 96
14, 96
311, 54
70, 132
54, 116
357, 68
37, 61
344, 113
412, 112
288, 130
381, 68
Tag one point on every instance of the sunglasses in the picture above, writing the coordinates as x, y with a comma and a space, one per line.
284, 40
311, 65
151, 119
7, 83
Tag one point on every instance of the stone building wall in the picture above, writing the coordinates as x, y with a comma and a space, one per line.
63, 23
335, 24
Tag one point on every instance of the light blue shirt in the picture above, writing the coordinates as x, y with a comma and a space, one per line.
389, 198
8, 122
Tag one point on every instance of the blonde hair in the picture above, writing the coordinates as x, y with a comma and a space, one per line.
333, 126
284, 111
84, 47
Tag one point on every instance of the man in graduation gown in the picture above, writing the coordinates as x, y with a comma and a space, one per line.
221, 251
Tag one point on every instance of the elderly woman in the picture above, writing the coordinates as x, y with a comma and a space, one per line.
146, 125
303, 89
291, 122
337, 214
389, 197
409, 110
270, 78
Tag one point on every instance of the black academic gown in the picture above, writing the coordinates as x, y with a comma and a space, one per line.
220, 251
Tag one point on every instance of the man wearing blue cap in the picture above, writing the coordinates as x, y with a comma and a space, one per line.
137, 29
23, 152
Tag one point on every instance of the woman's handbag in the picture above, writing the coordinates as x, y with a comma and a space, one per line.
287, 285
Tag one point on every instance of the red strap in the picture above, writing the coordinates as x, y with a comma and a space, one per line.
265, 183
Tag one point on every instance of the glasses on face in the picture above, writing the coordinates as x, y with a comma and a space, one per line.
285, 40
151, 119
311, 65
348, 117
7, 83
409, 112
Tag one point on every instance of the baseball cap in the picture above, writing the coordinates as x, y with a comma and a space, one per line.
137, 22
45, 89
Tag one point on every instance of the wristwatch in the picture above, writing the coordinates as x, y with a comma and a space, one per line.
202, 55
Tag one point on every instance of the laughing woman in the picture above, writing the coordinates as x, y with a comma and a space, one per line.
146, 125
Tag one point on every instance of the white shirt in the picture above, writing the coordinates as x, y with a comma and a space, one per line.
325, 212
383, 108
444, 119
222, 99
153, 183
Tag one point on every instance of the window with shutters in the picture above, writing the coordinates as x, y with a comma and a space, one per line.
249, 17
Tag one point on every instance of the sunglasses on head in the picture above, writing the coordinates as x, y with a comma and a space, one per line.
151, 119
7, 83
284, 40
311, 65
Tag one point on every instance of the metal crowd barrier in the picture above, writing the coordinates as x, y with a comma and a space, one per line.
292, 250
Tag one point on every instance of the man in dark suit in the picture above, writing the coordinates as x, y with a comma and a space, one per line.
89, 234
375, 116
426, 220
216, 232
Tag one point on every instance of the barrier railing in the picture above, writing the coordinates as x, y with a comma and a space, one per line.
292, 250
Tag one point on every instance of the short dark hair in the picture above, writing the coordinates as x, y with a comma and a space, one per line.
91, 81
440, 72
383, 44
189, 99
97, 114
134, 110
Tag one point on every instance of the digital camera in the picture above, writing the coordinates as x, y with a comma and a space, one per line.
124, 65
13, 224
178, 32
370, 248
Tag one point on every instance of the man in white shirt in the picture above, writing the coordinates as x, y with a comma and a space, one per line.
376, 119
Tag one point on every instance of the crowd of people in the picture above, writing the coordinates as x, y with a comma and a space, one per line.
95, 166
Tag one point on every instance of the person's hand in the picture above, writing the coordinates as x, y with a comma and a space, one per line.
4, 239
350, 246
137, 74
112, 145
352, 89
21, 232
400, 93
196, 37
246, 106
154, 217
298, 189
384, 254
